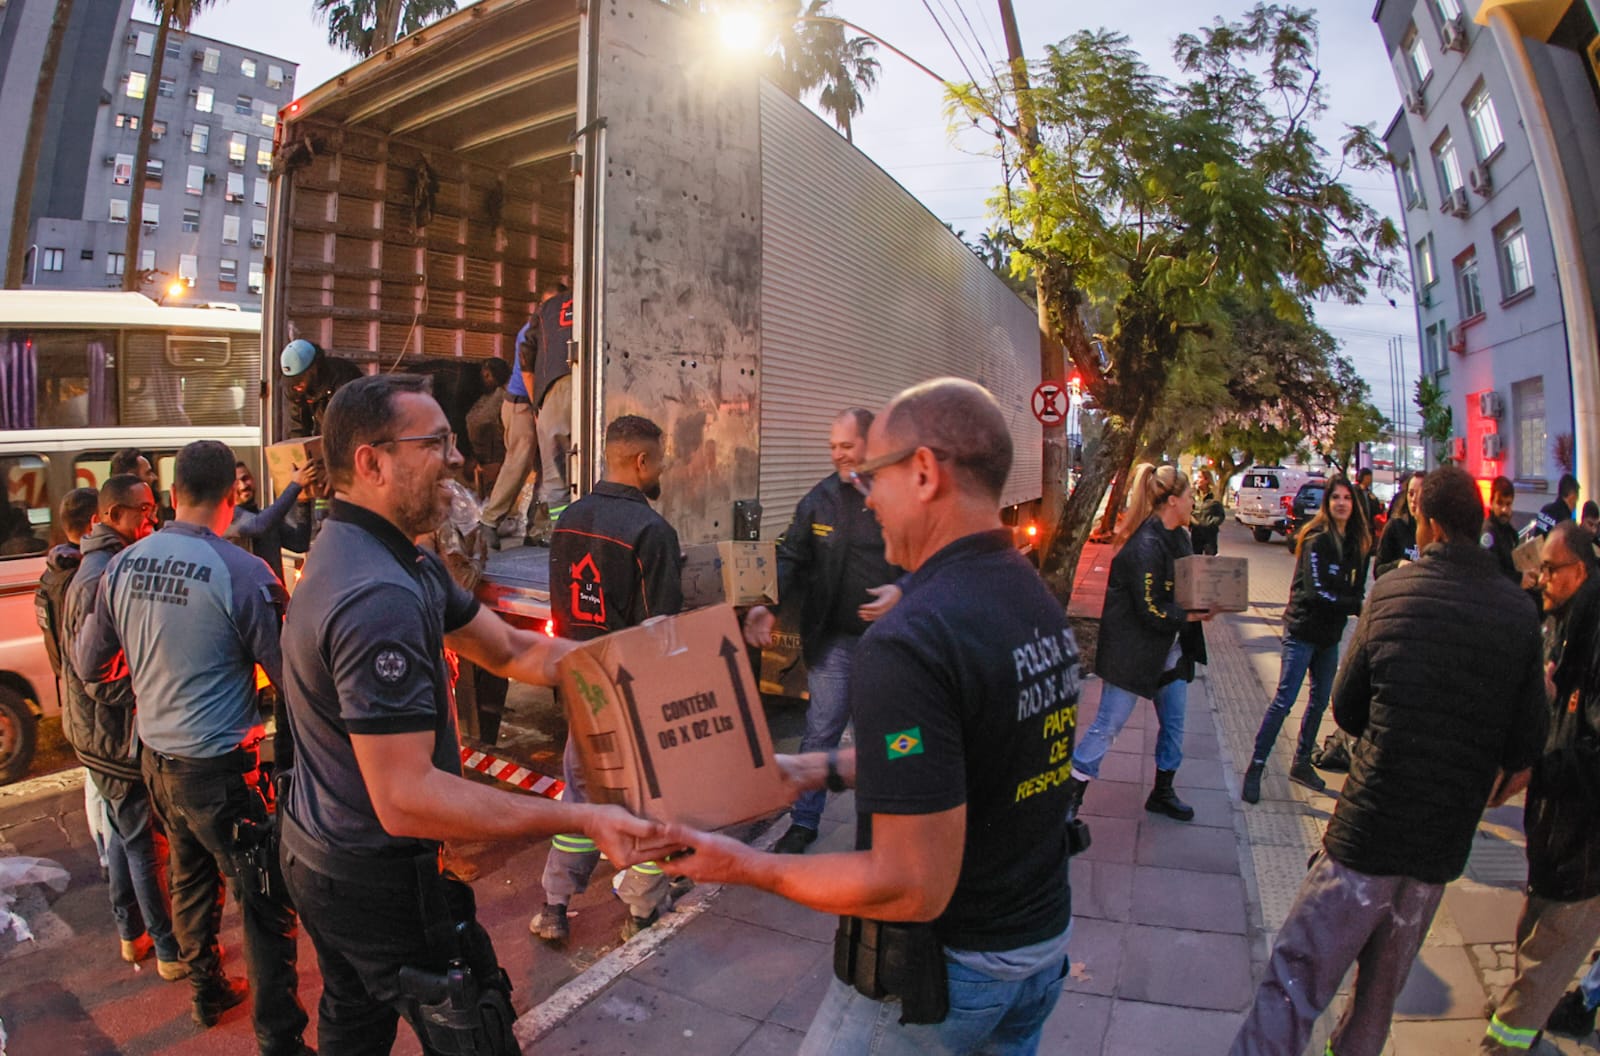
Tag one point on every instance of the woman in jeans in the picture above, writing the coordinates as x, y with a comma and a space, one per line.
1148, 645
1330, 577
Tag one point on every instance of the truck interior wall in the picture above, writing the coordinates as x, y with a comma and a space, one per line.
864, 293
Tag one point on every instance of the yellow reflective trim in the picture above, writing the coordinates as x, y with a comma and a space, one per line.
574, 844
1511, 1037
647, 869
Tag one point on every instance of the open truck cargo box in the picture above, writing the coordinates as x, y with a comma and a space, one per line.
741, 273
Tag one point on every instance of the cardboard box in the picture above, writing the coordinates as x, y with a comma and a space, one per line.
668, 722
284, 456
1527, 556
1218, 583
783, 666
731, 573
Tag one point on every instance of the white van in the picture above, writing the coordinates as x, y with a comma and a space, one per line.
1265, 495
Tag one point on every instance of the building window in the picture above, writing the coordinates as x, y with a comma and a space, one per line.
200, 139
1485, 123
157, 130
167, 87
85, 254
1427, 275
1409, 184
1516, 267
258, 278
52, 260
247, 68
191, 220
230, 230
1467, 284
1527, 407
1433, 346
264, 156
238, 146
261, 193
228, 274
127, 121
235, 187
188, 268
152, 214
269, 116
154, 170
115, 262
147, 260
137, 82
258, 233
213, 60
274, 76
144, 45
205, 99
244, 105
122, 170
196, 182
1447, 165
119, 210
1417, 57
174, 49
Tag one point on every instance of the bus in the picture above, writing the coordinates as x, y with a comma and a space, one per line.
83, 375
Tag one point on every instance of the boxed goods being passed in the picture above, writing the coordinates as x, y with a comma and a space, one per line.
1221, 584
732, 572
1527, 556
285, 456
668, 723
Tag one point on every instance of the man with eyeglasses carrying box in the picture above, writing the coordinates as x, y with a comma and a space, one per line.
833, 576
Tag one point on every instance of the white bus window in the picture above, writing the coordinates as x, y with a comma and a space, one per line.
25, 521
58, 379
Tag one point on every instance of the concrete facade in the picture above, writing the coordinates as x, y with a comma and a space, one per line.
206, 185
1489, 311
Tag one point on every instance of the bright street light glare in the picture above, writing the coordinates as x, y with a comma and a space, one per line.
741, 31
176, 289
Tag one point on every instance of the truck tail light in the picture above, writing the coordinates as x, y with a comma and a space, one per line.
1287, 502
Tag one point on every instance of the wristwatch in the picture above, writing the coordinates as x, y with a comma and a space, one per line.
834, 782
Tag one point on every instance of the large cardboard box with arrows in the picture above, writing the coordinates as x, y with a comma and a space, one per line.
668, 722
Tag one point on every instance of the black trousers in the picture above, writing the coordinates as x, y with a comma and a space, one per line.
199, 801
364, 933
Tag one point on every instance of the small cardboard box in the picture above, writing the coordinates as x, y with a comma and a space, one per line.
284, 456
1218, 583
668, 722
1527, 556
783, 666
732, 572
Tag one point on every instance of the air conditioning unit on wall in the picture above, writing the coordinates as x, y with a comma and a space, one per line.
1458, 449
1494, 447
1491, 405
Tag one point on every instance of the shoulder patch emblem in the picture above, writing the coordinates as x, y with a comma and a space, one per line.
904, 743
390, 666
1487, 541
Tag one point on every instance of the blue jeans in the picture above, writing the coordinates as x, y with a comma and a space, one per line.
134, 858
988, 1016
1591, 986
828, 682
1322, 661
1116, 704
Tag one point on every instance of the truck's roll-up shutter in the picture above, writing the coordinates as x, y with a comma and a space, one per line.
864, 291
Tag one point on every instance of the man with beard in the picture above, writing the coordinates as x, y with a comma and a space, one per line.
1499, 538
377, 785
311, 379
267, 532
614, 563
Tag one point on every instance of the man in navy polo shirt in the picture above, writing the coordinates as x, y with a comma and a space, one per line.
964, 699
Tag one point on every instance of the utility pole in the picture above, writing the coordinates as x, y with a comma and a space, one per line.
1400, 358
32, 146
1052, 355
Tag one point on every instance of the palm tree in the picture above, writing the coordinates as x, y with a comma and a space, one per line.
364, 27
848, 70
811, 53
22, 207
173, 14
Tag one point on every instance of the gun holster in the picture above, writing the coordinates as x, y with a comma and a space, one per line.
255, 845
464, 1012
1077, 837
892, 960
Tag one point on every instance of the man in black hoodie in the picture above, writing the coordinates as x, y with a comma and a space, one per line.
99, 724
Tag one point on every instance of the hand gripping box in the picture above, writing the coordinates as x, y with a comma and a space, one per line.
668, 723
285, 456
1221, 584
735, 572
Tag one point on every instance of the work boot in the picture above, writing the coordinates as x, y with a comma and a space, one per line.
136, 950
677, 887
1571, 1016
172, 971
224, 994
795, 841
539, 526
1076, 786
490, 533
1252, 783
633, 925
1163, 800
1303, 773
551, 923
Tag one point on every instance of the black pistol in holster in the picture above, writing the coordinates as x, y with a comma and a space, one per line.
464, 1012
1077, 837
893, 960
255, 845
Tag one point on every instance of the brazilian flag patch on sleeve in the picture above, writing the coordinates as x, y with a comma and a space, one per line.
904, 743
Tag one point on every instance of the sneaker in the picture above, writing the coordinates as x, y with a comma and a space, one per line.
1571, 1016
634, 925
677, 887
1252, 783
136, 950
551, 923
1303, 773
210, 1004
795, 841
172, 971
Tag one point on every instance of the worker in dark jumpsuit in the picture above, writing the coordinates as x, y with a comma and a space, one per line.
313, 377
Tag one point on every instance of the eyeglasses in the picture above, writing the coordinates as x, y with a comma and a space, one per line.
862, 475
1547, 569
445, 441
145, 509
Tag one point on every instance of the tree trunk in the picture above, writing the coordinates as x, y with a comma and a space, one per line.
27, 173
1060, 565
387, 30
1119, 498
131, 275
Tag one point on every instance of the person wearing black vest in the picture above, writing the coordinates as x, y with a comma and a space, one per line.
1499, 537
1560, 509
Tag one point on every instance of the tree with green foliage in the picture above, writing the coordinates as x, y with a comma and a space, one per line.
1147, 203
366, 27
1438, 421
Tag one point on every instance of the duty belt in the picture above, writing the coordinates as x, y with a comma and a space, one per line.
394, 871
239, 761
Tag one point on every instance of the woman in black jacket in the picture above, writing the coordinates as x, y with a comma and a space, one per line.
1330, 578
1399, 542
1205, 524
1148, 646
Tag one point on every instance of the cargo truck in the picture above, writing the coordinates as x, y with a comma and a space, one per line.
740, 272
